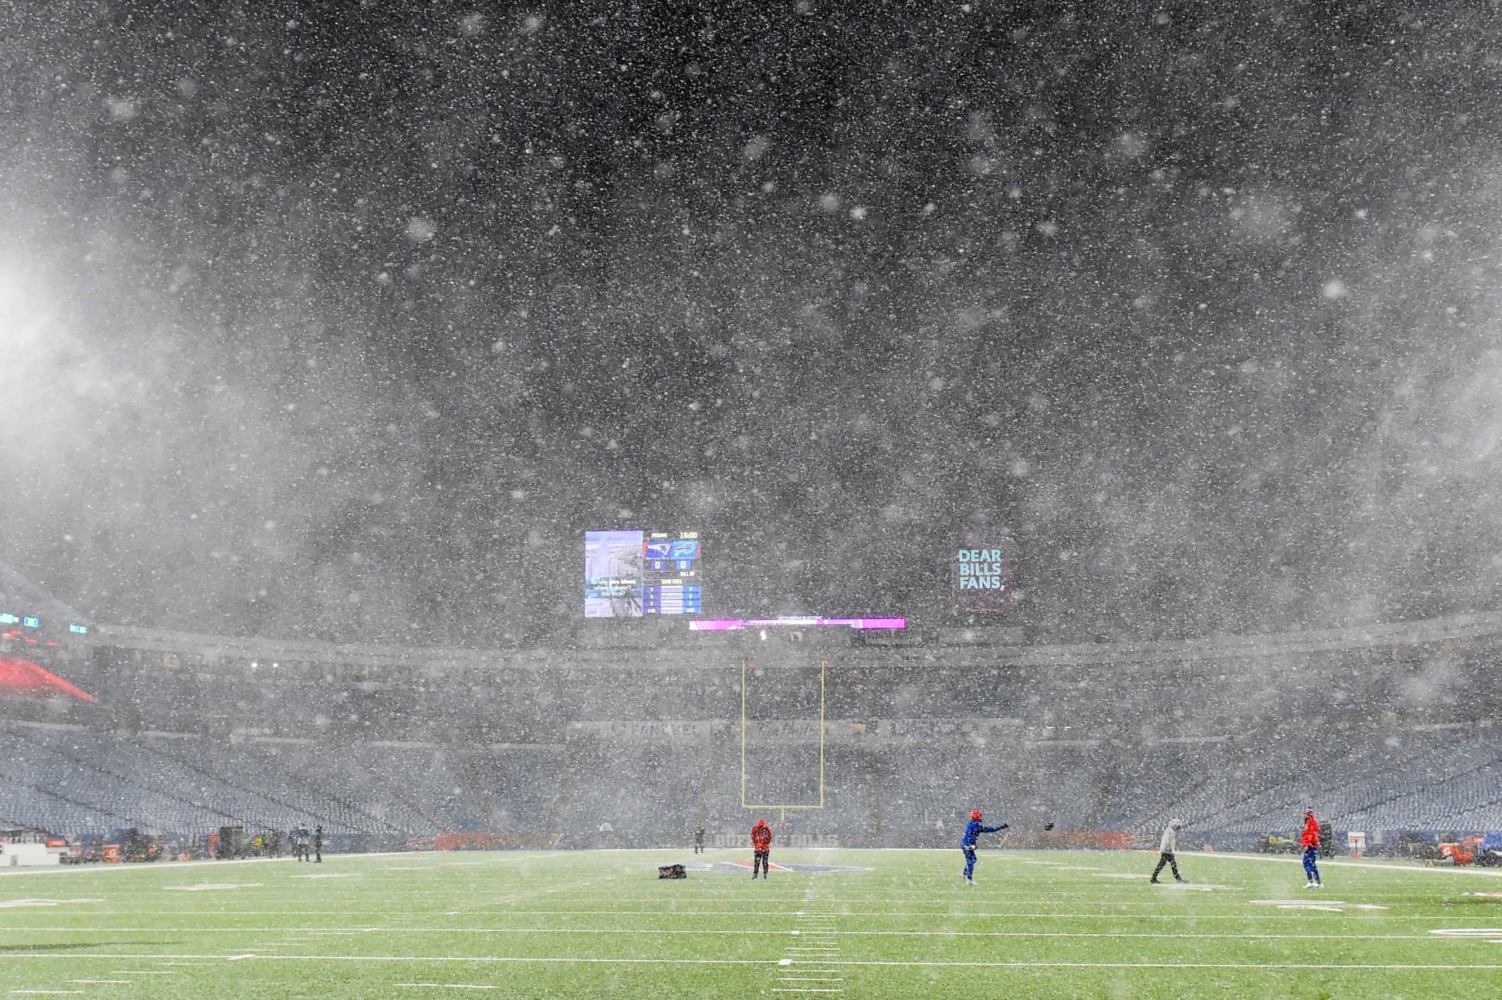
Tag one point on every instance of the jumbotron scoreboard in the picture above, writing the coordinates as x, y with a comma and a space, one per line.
630, 574
670, 574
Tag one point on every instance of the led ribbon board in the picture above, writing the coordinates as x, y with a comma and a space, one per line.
790, 621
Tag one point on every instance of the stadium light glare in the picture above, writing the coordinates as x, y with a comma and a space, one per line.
22, 320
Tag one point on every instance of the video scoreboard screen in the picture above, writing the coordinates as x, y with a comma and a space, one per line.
630, 574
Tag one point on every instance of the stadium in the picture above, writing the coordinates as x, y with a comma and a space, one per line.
851, 740
601, 759
465, 467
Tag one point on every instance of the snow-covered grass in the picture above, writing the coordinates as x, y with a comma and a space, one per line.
898, 924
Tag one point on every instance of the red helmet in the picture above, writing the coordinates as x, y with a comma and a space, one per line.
975, 815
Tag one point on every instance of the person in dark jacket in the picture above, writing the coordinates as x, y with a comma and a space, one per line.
1166, 848
967, 844
761, 847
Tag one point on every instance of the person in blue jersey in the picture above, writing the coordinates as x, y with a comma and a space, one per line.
967, 845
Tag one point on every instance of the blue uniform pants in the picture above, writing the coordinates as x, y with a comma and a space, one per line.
1311, 854
969, 850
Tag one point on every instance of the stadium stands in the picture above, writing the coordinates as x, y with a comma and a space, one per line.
633, 747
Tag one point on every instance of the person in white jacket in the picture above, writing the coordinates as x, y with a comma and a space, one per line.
1166, 847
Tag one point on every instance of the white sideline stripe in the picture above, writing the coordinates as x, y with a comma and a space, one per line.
575, 960
1185, 935
87, 982
1375, 866
172, 866
1260, 916
1362, 967
444, 986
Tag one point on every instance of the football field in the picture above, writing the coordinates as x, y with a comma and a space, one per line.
858, 923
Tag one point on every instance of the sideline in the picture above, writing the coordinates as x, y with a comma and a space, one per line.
172, 866
1371, 864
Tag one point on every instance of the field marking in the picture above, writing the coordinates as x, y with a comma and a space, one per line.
1371, 866
820, 941
1315, 903
823, 950
445, 986
169, 866
44, 902
1468, 932
843, 963
628, 912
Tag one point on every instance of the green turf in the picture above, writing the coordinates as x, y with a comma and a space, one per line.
600, 924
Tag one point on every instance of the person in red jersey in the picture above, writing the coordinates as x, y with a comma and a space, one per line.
761, 847
1310, 839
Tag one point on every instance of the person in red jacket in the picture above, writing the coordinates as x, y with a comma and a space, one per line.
761, 847
1310, 840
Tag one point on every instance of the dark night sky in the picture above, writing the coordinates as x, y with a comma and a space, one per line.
344, 321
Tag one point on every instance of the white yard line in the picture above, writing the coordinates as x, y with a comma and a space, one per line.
859, 963
444, 986
819, 942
